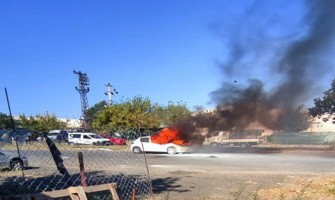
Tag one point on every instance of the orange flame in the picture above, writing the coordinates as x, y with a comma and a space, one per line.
168, 135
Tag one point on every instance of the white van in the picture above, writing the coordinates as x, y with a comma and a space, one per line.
87, 138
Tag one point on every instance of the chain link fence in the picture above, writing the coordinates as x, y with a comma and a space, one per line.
46, 165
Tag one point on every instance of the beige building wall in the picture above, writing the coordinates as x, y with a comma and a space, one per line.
71, 123
318, 125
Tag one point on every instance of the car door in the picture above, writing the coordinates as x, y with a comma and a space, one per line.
146, 144
75, 138
86, 139
156, 147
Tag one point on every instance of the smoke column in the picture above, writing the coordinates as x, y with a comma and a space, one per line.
299, 65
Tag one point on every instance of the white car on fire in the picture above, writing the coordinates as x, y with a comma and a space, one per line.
144, 144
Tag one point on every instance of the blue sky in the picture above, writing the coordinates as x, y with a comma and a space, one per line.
167, 50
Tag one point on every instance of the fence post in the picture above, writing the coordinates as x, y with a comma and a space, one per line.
82, 169
133, 194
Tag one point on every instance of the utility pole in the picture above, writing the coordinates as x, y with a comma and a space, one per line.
83, 90
110, 92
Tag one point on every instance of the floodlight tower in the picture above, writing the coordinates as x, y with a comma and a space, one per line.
110, 92
83, 90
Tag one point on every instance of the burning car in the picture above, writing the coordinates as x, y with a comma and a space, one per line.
145, 144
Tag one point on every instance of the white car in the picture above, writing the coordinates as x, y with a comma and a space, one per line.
144, 144
87, 138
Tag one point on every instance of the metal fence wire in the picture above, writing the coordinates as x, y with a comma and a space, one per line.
50, 165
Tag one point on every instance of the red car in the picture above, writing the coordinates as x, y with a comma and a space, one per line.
116, 140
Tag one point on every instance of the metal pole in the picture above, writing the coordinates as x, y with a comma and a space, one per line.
110, 92
13, 126
10, 111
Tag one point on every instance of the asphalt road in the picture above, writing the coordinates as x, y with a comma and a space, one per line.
243, 162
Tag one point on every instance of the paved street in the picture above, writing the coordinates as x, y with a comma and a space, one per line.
244, 162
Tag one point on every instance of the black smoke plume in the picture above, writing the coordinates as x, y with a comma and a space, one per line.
293, 71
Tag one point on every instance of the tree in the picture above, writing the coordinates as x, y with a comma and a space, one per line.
131, 114
172, 113
48, 122
324, 107
28, 123
93, 111
43, 123
5, 121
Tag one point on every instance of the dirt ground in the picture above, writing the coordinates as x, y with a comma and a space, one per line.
181, 184
190, 186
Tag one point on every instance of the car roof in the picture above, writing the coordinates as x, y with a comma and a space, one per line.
82, 133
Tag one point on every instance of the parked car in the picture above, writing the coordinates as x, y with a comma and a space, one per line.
20, 135
132, 136
87, 138
149, 146
9, 160
52, 136
58, 135
116, 140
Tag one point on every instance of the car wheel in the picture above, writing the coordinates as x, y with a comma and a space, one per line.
137, 150
16, 165
171, 150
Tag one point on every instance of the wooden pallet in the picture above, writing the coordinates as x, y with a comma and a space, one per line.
75, 193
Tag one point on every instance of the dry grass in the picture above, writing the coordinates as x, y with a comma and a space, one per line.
322, 188
317, 188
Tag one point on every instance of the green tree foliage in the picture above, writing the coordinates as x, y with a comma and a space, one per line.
93, 111
43, 123
5, 122
131, 114
28, 123
172, 113
139, 113
49, 122
326, 105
